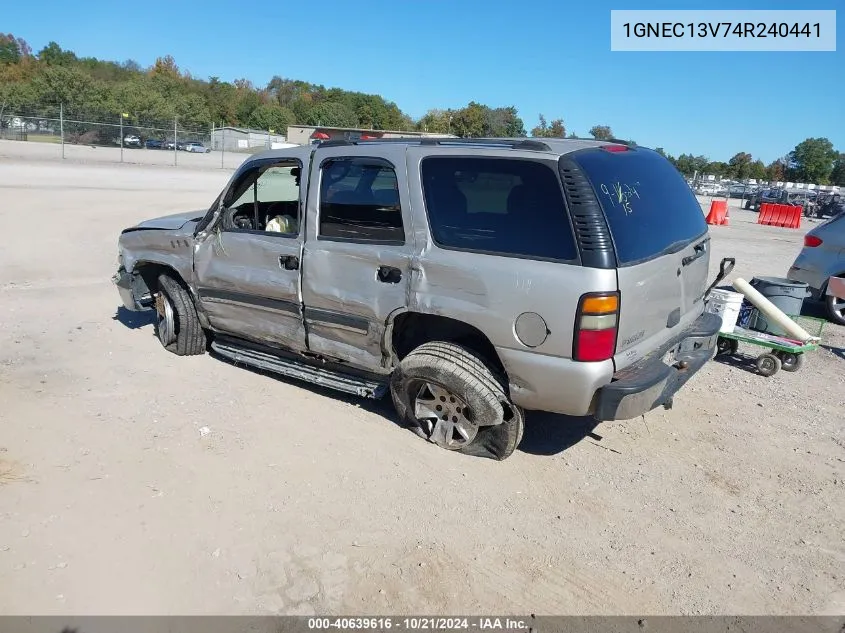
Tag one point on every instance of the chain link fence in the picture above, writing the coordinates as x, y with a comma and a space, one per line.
128, 138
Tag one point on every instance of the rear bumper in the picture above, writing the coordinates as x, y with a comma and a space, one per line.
647, 385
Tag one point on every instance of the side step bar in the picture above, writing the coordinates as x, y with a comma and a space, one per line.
357, 386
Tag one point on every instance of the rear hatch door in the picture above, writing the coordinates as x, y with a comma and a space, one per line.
661, 243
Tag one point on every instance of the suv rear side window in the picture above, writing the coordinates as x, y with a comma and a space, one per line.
497, 205
650, 209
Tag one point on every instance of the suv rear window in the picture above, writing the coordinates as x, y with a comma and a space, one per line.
650, 209
495, 205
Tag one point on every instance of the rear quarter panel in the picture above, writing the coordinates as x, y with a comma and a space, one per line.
490, 292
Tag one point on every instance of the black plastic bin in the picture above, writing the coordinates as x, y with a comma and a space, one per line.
786, 294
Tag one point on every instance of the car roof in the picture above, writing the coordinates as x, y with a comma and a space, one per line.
556, 146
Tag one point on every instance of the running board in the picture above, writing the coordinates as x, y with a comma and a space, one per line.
355, 385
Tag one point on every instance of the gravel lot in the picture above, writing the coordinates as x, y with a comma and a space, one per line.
89, 154
112, 499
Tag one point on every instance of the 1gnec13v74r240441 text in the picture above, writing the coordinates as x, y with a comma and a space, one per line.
721, 29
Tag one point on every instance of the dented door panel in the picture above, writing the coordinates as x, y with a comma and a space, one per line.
346, 304
350, 288
245, 289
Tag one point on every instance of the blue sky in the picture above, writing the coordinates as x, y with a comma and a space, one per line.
539, 55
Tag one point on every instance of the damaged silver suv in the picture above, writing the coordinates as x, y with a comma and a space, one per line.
472, 279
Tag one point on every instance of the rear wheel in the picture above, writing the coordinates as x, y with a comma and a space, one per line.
448, 395
768, 364
835, 309
727, 346
790, 361
178, 328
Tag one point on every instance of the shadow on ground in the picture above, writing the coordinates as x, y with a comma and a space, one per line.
836, 351
745, 358
383, 407
545, 433
134, 320
552, 433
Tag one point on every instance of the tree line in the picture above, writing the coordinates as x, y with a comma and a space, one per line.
100, 90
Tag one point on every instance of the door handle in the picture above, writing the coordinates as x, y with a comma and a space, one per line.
289, 262
389, 275
700, 251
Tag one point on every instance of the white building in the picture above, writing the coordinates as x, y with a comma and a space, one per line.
233, 139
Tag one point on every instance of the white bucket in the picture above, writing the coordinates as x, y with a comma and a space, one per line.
727, 305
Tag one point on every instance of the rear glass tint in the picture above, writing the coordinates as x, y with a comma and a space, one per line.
649, 206
497, 205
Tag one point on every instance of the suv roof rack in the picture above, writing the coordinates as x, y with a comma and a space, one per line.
527, 144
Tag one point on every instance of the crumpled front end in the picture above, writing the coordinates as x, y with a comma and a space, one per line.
133, 290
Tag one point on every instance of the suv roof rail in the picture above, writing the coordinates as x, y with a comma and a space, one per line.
527, 144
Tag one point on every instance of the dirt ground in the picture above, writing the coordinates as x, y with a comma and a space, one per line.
135, 481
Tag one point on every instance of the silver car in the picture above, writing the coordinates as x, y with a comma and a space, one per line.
470, 279
823, 257
197, 148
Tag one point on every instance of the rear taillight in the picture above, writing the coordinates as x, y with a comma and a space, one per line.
812, 241
595, 326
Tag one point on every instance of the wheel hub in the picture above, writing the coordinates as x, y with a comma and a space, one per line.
166, 321
444, 417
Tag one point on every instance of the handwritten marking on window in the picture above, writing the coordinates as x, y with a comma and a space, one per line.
622, 195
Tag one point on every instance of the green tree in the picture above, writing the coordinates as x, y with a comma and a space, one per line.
13, 49
757, 170
717, 168
503, 122
470, 121
270, 116
837, 176
660, 151
165, 66
331, 114
53, 54
740, 166
776, 171
435, 121
812, 160
601, 132
221, 97
555, 129
688, 164
246, 102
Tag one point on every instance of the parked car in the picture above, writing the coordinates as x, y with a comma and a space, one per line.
823, 257
152, 143
169, 145
180, 145
197, 147
828, 203
706, 189
131, 140
741, 191
764, 196
454, 281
